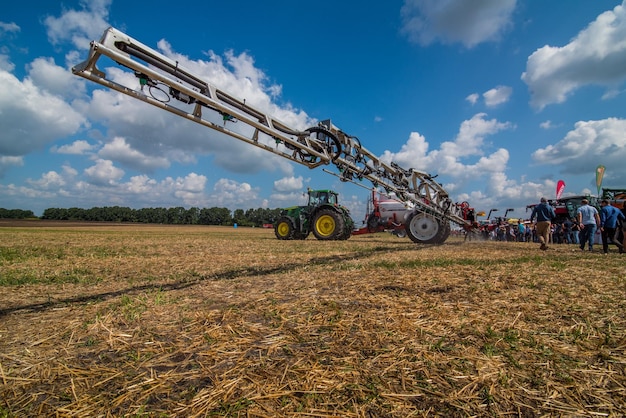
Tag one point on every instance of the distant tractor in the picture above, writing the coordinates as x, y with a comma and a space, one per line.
322, 215
567, 207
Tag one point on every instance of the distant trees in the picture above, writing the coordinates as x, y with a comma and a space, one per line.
16, 214
173, 216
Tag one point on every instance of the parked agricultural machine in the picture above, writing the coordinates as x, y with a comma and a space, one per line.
384, 214
163, 83
616, 197
566, 207
322, 215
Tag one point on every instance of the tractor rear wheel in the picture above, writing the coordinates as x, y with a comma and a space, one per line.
328, 225
285, 228
347, 229
426, 229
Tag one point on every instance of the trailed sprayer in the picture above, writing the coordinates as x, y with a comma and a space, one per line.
162, 82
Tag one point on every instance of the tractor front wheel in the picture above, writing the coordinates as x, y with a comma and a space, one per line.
285, 228
328, 225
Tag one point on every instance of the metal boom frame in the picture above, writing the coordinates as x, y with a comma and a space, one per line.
324, 144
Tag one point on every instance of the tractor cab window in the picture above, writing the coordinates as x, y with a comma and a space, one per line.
322, 198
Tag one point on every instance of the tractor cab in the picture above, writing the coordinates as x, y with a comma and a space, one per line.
322, 197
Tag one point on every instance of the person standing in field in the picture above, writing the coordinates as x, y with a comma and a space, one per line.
544, 214
609, 217
574, 231
521, 231
588, 220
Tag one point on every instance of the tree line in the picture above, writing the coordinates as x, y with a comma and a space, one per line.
16, 214
174, 216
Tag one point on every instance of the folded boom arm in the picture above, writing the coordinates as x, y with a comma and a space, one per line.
161, 79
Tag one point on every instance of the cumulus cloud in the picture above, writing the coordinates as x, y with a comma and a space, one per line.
7, 162
462, 159
472, 98
103, 172
230, 193
497, 96
492, 97
468, 142
452, 21
10, 27
79, 26
48, 76
79, 147
34, 120
118, 150
597, 55
590, 143
289, 184
100, 185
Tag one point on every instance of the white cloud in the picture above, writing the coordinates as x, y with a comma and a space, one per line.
80, 147
472, 98
236, 74
50, 180
454, 158
7, 162
59, 81
497, 96
493, 97
230, 193
289, 184
103, 188
79, 26
120, 151
597, 55
451, 21
590, 143
11, 27
6, 64
103, 172
35, 120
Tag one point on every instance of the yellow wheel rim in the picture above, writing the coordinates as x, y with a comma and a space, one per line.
283, 229
325, 225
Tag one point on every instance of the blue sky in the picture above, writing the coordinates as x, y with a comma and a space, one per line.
500, 98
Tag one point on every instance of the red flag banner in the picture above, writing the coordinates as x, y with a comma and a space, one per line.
599, 175
560, 186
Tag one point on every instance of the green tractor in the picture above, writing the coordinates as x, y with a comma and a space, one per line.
323, 215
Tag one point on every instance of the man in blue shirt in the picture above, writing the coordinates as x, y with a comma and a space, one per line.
609, 215
544, 214
589, 219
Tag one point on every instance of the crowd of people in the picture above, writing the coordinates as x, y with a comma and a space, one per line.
590, 226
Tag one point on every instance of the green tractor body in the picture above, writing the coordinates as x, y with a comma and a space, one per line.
322, 215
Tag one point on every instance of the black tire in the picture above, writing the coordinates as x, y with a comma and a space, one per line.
347, 230
423, 228
372, 223
445, 232
285, 228
328, 141
328, 225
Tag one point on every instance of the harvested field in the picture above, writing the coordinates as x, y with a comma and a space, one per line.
190, 321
